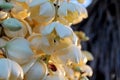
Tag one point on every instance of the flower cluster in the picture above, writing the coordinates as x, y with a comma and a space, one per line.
37, 42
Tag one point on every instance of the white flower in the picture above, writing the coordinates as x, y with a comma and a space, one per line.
37, 72
10, 70
42, 11
69, 72
39, 43
48, 44
20, 33
70, 54
87, 71
70, 12
19, 10
61, 30
28, 65
85, 3
19, 50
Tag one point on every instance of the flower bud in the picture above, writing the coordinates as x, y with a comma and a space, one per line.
12, 24
20, 33
37, 72
10, 70
6, 6
19, 50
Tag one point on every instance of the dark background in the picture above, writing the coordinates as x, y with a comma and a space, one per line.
103, 28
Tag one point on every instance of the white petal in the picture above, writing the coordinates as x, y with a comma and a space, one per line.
71, 53
47, 9
48, 29
62, 10
19, 50
16, 71
10, 70
27, 66
63, 31
35, 2
87, 3
71, 7
37, 72
4, 69
75, 39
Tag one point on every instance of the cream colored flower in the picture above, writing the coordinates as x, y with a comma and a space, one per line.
20, 10
28, 65
48, 44
69, 72
40, 43
42, 11
70, 54
88, 55
19, 50
20, 33
87, 71
85, 3
71, 13
84, 69
61, 30
37, 72
10, 70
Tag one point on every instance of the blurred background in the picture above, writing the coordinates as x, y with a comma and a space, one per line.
103, 28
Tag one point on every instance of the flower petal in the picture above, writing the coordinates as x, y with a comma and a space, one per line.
35, 2
17, 52
63, 31
48, 29
62, 10
47, 9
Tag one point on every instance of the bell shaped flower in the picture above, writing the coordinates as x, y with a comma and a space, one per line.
19, 50
71, 13
10, 70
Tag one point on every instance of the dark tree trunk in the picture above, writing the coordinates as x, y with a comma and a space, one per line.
103, 29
